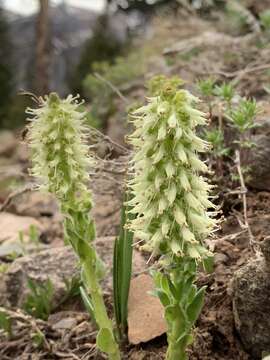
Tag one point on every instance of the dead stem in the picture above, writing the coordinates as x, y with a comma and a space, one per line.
246, 225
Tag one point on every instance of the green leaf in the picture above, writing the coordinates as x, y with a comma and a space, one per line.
163, 297
105, 341
208, 264
38, 338
194, 309
122, 267
175, 312
5, 322
100, 268
39, 300
87, 303
85, 250
185, 340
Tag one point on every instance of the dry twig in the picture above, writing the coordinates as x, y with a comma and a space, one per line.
244, 200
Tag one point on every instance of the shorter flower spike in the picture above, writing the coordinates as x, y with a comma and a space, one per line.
57, 139
170, 195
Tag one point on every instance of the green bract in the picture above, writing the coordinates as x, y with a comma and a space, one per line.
170, 195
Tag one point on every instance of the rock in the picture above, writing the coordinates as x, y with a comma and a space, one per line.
145, 312
11, 225
36, 204
67, 323
258, 157
56, 264
251, 303
8, 143
8, 249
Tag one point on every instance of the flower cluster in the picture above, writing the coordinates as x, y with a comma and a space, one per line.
170, 196
59, 153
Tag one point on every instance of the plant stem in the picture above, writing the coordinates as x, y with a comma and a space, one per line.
175, 353
101, 315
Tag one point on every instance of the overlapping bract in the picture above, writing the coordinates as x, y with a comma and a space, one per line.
59, 153
170, 197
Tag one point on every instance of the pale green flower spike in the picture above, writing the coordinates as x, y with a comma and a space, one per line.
171, 201
59, 153
60, 156
170, 195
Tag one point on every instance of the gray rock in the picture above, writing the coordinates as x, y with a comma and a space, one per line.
251, 303
257, 158
8, 143
57, 264
36, 204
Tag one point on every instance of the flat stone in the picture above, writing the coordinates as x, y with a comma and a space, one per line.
66, 324
57, 264
145, 312
11, 225
36, 204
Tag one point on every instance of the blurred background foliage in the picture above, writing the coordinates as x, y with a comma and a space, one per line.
67, 49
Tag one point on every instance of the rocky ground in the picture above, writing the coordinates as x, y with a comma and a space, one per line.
190, 47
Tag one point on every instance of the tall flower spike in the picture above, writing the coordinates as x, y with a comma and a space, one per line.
170, 195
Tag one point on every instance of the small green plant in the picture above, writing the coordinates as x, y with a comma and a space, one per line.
3, 268
122, 268
39, 300
225, 91
61, 160
5, 322
216, 138
72, 287
38, 338
235, 111
265, 20
243, 116
171, 202
206, 87
33, 239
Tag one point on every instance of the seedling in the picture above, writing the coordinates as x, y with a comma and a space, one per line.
5, 323
225, 91
39, 300
216, 138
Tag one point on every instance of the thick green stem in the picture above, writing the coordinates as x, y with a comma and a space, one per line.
101, 315
175, 353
